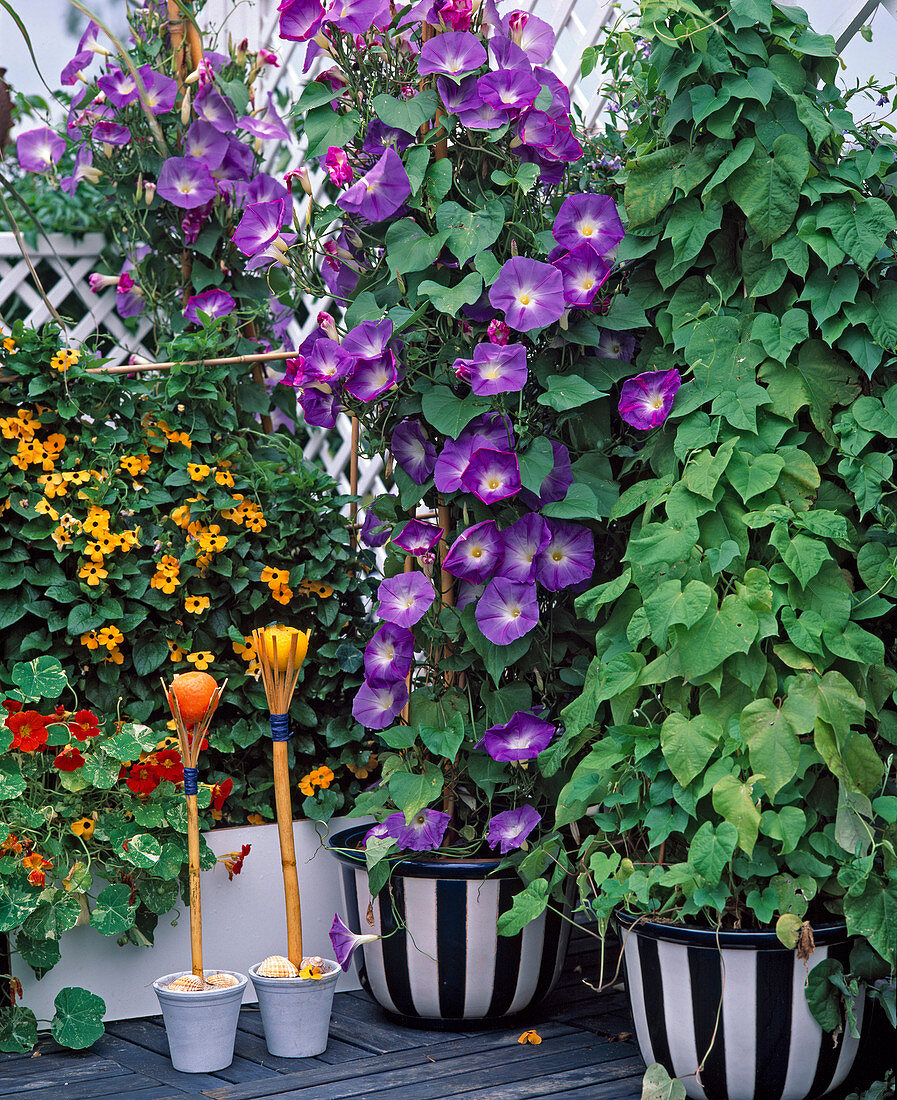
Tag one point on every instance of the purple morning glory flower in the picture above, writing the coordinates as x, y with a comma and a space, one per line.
376, 832
476, 553
483, 117
555, 485
496, 369
380, 192
492, 475
568, 558
345, 941
112, 133
265, 188
495, 427
646, 400
534, 36
319, 407
452, 53
214, 302
388, 655
530, 293
509, 89
413, 451
460, 96
73, 71
538, 129
453, 461
83, 170
591, 218
507, 610
511, 828
468, 592
426, 830
523, 541
418, 538
372, 377
238, 163
327, 362
186, 183
614, 345
369, 339
300, 19
160, 90
212, 106
260, 226
120, 87
374, 532
376, 706
90, 40
269, 126
38, 150
521, 738
584, 273
560, 93
129, 300
358, 16
205, 143
507, 54
378, 138
405, 598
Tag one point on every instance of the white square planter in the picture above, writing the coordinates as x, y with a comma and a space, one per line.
242, 922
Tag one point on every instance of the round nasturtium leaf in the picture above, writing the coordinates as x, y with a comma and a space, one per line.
18, 1030
41, 678
78, 1021
113, 912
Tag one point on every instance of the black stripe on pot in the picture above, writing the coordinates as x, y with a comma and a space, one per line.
774, 993
395, 945
705, 971
830, 1051
451, 947
652, 990
353, 919
507, 957
554, 926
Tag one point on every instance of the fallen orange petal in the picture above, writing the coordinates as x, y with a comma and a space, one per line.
530, 1037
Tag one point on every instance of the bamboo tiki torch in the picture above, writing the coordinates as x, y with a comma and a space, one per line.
191, 740
280, 651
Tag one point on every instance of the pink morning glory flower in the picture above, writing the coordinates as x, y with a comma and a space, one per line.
589, 218
646, 400
388, 655
498, 332
260, 226
569, 557
418, 538
530, 293
523, 541
496, 369
511, 828
413, 451
476, 553
376, 706
507, 610
345, 941
451, 54
38, 150
213, 107
405, 598
426, 830
454, 13
534, 36
509, 89
338, 167
380, 192
584, 273
214, 302
371, 378
521, 738
491, 475
205, 143
129, 300
186, 183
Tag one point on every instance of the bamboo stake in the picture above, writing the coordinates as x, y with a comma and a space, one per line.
141, 368
190, 744
280, 670
353, 482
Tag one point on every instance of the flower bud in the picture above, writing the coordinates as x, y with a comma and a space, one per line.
149, 193
327, 323
185, 108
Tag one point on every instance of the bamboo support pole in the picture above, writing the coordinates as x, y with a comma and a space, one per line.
284, 808
195, 893
353, 482
144, 368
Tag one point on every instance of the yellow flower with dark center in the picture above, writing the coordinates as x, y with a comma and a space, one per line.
77, 477
94, 551
181, 515
97, 521
54, 485
134, 464
168, 564
90, 640
129, 539
46, 509
195, 605
224, 477
165, 582
9, 345
320, 777
245, 649
282, 594
83, 827
65, 358
62, 536
201, 660
115, 656
110, 637
311, 972
93, 574
255, 819
198, 471
54, 444
175, 653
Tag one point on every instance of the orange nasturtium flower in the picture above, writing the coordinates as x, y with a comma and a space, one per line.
195, 605
35, 864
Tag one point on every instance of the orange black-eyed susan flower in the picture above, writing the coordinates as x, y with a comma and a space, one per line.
93, 573
198, 471
530, 1036
135, 465
114, 656
282, 594
195, 605
201, 660
274, 577
83, 827
319, 777
110, 637
65, 358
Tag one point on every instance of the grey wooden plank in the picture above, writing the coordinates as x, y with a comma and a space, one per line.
154, 1065
52, 1072
357, 1019
335, 1053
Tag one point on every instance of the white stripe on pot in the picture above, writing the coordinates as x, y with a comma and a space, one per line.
673, 959
806, 1035
530, 964
423, 967
482, 915
740, 1022
848, 1044
373, 952
637, 993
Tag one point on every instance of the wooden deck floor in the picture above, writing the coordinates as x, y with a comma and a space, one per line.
586, 1053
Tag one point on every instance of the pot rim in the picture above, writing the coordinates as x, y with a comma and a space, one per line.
298, 983
733, 938
159, 984
417, 865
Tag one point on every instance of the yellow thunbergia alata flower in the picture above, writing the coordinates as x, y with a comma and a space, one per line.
195, 605
201, 660
93, 574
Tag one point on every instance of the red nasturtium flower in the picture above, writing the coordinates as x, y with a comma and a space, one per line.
35, 864
69, 759
233, 861
29, 730
84, 725
220, 792
11, 705
142, 779
168, 765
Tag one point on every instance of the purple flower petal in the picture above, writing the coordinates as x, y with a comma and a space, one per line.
521, 738
494, 427
345, 941
405, 598
374, 532
380, 192
507, 610
300, 19
411, 449
584, 273
119, 87
388, 655
160, 90
569, 557
418, 538
530, 293
111, 133
591, 218
534, 36
555, 485
425, 832
71, 74
369, 339
377, 832
476, 553
319, 407
510, 829
327, 362
359, 16
260, 226
371, 378
214, 302
38, 150
269, 126
206, 144
213, 107
376, 706
509, 89
614, 345
492, 475
496, 369
186, 183
452, 53
265, 188
468, 593
460, 96
523, 541
646, 400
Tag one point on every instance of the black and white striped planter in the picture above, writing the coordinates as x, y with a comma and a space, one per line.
449, 963
767, 1046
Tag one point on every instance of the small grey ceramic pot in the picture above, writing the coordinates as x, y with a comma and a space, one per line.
201, 1026
296, 1011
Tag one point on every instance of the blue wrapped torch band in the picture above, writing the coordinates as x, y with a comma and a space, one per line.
280, 727
191, 780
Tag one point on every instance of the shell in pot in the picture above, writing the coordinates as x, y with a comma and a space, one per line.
276, 966
187, 983
221, 981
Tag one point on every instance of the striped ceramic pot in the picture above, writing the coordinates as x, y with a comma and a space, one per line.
767, 1045
446, 961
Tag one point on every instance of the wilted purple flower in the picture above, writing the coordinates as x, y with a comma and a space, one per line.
497, 369
119, 87
507, 610
614, 345
371, 378
380, 192
492, 475
129, 299
499, 332
327, 362
646, 400
265, 188
345, 941
338, 167
83, 170
569, 557
160, 90
73, 71
509, 89
319, 407
426, 830
388, 655
591, 218
405, 598
369, 339
510, 829
452, 53
376, 706
186, 183
476, 553
374, 532
584, 273
523, 541
458, 96
530, 293
111, 133
38, 150
411, 449
269, 126
555, 485
454, 13
521, 738
418, 538
294, 372
534, 36
300, 19
214, 302
212, 106
205, 143
260, 226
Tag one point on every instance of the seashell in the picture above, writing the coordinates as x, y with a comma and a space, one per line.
276, 966
221, 981
187, 983
313, 960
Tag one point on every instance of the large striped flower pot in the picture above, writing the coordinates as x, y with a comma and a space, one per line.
767, 1045
441, 957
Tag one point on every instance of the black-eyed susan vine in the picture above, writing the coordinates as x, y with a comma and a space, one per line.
148, 524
